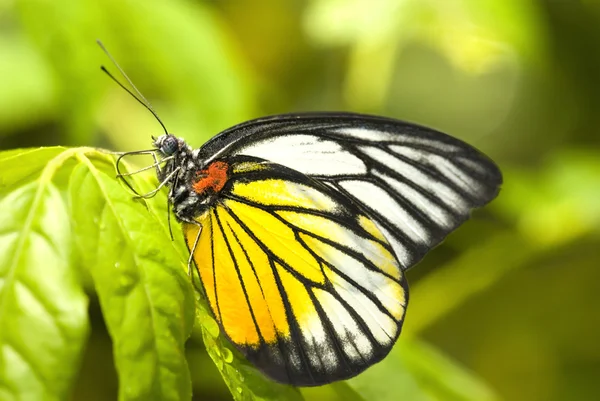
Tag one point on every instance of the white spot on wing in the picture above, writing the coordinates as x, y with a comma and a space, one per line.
294, 359
308, 154
365, 134
410, 137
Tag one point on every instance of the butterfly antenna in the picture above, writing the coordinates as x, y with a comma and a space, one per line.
137, 95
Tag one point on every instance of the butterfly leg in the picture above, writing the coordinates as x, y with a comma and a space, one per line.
157, 164
193, 250
160, 185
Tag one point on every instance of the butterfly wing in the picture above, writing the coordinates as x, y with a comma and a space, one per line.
414, 183
301, 281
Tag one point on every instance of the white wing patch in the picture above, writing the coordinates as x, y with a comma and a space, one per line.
322, 357
365, 134
389, 208
421, 202
425, 180
450, 170
404, 254
354, 343
378, 136
381, 326
307, 153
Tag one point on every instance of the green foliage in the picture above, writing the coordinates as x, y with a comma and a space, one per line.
43, 323
504, 309
146, 301
51, 230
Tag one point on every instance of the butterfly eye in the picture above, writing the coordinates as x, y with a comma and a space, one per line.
169, 145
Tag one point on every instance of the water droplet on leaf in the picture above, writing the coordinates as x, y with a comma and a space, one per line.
227, 355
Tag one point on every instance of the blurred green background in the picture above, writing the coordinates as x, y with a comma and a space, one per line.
508, 306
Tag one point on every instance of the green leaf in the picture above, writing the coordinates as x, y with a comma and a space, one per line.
20, 166
43, 310
157, 208
145, 296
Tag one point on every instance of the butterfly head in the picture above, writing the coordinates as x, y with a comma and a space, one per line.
173, 153
168, 145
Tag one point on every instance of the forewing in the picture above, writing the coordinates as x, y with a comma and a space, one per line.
300, 280
416, 184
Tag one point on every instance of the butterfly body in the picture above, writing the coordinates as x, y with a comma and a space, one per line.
194, 184
301, 228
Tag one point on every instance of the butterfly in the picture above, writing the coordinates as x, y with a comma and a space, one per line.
302, 227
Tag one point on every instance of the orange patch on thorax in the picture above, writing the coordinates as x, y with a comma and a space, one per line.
213, 177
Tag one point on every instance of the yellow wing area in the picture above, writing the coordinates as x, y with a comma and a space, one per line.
303, 284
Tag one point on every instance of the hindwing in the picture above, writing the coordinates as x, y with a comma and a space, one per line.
301, 280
